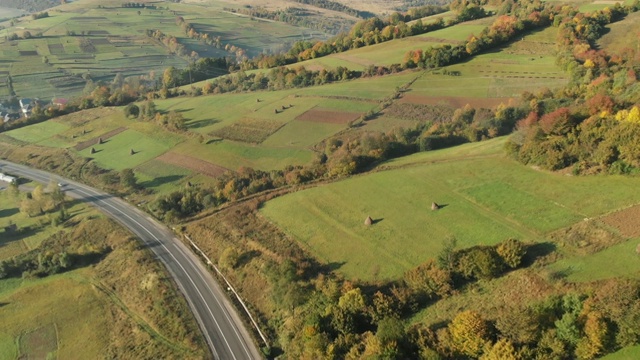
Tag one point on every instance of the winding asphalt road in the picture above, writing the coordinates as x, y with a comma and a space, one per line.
223, 330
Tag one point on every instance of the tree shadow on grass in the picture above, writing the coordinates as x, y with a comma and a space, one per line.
17, 235
161, 181
212, 141
8, 212
202, 123
334, 265
537, 251
246, 257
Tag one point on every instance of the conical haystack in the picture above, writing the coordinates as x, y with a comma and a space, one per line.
368, 220
435, 206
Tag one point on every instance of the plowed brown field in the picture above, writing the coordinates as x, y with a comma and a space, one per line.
456, 102
627, 221
328, 116
191, 163
85, 144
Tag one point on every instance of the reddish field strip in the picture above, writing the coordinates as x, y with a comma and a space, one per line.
191, 163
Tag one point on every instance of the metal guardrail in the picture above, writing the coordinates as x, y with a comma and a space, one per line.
229, 287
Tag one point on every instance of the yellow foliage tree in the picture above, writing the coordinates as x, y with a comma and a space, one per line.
503, 349
589, 64
634, 115
622, 115
596, 334
352, 301
469, 333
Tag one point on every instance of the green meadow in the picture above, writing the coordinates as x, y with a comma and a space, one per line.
37, 132
487, 198
619, 260
628, 353
115, 154
161, 177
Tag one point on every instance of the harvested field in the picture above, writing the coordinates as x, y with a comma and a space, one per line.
420, 112
456, 102
586, 237
626, 221
436, 40
100, 41
328, 116
56, 49
40, 343
88, 18
98, 32
85, 144
28, 53
249, 130
191, 163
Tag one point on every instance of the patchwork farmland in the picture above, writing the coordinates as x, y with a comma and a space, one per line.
77, 42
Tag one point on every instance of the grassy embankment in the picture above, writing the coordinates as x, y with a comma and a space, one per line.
119, 303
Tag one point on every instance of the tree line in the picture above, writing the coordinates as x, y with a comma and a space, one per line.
336, 6
591, 124
210, 39
364, 33
295, 16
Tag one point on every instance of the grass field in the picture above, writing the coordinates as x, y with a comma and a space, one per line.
527, 64
628, 353
51, 328
114, 153
232, 155
161, 177
37, 132
622, 34
488, 198
620, 260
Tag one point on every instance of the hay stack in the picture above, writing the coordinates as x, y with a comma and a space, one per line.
368, 221
435, 206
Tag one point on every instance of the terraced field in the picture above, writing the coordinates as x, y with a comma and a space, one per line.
93, 40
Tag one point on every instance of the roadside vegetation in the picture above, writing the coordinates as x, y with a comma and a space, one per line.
55, 252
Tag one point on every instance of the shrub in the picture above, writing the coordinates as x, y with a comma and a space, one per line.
511, 251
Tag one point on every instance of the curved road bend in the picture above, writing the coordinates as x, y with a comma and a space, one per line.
223, 330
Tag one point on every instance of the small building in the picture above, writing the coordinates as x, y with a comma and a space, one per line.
25, 106
60, 103
8, 117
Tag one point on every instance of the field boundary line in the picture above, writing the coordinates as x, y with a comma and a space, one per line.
137, 318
